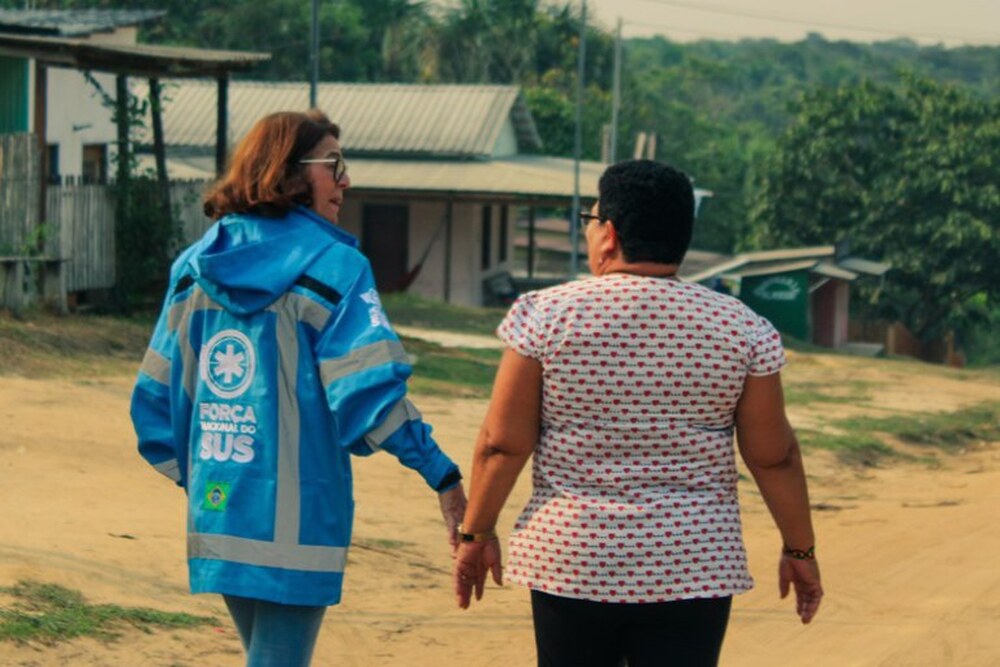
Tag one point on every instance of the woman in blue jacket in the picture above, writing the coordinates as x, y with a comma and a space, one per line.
272, 361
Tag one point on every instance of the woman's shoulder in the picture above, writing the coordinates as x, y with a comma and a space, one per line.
558, 297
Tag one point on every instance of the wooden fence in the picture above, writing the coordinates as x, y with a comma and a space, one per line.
80, 226
20, 194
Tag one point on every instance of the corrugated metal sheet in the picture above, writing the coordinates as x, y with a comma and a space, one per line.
132, 59
831, 270
73, 22
376, 119
524, 177
867, 266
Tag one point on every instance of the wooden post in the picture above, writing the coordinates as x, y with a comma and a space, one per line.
447, 250
40, 122
531, 242
121, 118
159, 145
221, 129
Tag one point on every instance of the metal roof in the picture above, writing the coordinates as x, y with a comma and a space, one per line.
132, 59
818, 259
831, 270
454, 121
859, 265
73, 22
783, 267
521, 178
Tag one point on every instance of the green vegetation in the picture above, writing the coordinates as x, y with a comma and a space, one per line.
853, 448
904, 173
451, 371
861, 440
48, 613
803, 393
379, 544
950, 431
411, 310
41, 345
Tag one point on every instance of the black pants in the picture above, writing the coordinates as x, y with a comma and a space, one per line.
582, 633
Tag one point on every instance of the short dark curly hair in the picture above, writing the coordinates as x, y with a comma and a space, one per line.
652, 207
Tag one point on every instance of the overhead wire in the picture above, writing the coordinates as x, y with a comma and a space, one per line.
763, 16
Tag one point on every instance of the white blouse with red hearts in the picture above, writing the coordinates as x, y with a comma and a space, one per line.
634, 474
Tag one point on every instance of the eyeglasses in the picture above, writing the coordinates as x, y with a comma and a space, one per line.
586, 217
337, 165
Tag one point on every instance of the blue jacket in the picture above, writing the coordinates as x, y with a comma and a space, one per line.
272, 360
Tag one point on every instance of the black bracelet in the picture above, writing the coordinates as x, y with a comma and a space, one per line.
799, 554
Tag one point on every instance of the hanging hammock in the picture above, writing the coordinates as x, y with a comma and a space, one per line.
410, 276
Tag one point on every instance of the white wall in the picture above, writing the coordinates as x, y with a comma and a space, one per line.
427, 230
507, 141
76, 116
465, 287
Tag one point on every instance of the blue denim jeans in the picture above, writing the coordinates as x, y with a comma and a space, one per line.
275, 635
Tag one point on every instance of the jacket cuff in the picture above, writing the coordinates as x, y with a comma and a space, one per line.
441, 473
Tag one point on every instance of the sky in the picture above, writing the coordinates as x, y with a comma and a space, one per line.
947, 22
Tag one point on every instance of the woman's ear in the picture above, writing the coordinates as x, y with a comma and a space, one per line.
609, 244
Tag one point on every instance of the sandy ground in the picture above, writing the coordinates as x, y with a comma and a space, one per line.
909, 553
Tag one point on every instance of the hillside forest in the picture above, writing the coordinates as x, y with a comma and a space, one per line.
891, 146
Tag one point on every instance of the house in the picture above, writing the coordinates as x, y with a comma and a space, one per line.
55, 124
439, 173
804, 292
79, 130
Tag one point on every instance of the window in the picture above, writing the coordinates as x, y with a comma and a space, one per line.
95, 163
487, 247
504, 210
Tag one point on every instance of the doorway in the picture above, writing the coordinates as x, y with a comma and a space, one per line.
385, 240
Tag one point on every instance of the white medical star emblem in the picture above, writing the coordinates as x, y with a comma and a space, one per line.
229, 364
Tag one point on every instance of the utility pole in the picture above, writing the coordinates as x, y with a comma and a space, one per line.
574, 225
314, 55
616, 93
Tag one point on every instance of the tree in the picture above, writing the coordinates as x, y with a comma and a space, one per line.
909, 174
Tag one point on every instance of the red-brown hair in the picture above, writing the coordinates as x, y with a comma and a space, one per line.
264, 175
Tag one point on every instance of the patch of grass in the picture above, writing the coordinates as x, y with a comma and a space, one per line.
859, 449
950, 431
407, 309
40, 345
451, 371
49, 613
859, 440
814, 392
380, 543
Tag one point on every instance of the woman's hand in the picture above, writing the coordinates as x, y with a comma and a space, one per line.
804, 576
472, 561
452, 504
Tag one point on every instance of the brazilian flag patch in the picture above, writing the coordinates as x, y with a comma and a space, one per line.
216, 497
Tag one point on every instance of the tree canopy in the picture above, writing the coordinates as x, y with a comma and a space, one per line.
907, 174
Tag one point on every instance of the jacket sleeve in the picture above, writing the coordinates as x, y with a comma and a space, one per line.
150, 409
364, 370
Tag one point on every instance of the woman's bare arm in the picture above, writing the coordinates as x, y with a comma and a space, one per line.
506, 440
771, 452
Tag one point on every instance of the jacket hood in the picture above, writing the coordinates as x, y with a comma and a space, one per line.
246, 262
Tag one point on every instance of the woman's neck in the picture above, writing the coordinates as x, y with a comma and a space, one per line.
647, 269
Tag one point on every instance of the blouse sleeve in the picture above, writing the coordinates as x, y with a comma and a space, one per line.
521, 329
767, 355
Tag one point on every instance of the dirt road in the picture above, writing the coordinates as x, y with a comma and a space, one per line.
908, 552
